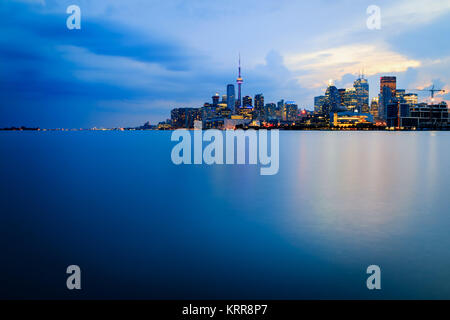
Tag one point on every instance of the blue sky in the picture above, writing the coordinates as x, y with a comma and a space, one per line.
133, 61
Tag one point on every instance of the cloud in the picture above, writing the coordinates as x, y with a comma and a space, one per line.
110, 69
333, 63
57, 77
273, 79
397, 17
409, 13
433, 72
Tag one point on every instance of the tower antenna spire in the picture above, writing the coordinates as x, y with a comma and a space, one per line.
239, 64
239, 82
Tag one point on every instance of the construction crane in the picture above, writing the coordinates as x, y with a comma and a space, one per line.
432, 91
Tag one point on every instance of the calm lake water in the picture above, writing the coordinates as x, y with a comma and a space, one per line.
141, 227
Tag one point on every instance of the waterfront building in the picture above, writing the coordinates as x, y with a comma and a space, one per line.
388, 88
215, 123
345, 119
231, 124
420, 116
185, 117
178, 117
395, 111
374, 108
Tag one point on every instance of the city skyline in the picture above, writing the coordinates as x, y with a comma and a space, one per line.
355, 99
339, 108
122, 68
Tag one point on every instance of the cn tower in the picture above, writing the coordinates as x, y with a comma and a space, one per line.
239, 82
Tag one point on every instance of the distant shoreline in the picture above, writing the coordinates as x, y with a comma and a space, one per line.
382, 129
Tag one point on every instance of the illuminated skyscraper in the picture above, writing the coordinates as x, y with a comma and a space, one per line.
246, 110
374, 108
239, 81
411, 98
319, 101
280, 108
280, 104
350, 99
399, 94
247, 102
259, 106
333, 99
290, 111
361, 86
388, 88
215, 99
271, 111
231, 98
390, 82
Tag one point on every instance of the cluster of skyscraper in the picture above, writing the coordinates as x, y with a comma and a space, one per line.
400, 109
393, 107
350, 99
227, 111
345, 107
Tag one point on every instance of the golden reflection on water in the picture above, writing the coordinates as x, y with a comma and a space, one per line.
351, 186
364, 183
